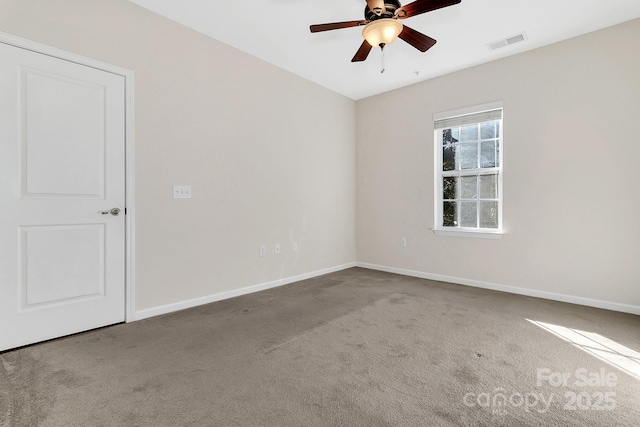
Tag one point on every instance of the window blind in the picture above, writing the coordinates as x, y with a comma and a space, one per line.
467, 119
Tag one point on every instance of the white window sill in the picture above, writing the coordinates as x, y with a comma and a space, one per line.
469, 233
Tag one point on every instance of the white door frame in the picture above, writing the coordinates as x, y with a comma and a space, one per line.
128, 75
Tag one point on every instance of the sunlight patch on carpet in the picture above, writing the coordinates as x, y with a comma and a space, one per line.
605, 349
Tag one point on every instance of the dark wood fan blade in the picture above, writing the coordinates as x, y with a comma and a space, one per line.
336, 26
422, 6
363, 52
416, 39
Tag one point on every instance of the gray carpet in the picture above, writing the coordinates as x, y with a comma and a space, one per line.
353, 348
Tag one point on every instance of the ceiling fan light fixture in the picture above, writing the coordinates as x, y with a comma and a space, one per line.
382, 31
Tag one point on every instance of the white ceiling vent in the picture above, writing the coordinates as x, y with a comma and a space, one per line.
508, 41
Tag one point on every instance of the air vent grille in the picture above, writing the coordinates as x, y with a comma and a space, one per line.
508, 41
498, 44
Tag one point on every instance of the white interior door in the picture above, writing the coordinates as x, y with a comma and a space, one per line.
62, 166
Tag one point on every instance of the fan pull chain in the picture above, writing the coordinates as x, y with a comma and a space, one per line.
381, 58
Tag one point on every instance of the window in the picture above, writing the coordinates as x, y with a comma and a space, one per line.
469, 171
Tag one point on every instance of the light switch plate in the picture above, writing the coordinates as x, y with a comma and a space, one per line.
181, 191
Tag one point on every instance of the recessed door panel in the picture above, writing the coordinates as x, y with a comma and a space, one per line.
61, 264
63, 136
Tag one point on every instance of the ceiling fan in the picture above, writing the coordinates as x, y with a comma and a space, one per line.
381, 25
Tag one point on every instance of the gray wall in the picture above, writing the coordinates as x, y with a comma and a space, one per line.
253, 142
571, 148
250, 138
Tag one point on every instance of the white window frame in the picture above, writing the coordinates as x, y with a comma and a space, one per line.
458, 115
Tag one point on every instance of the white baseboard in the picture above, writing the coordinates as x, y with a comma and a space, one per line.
170, 308
607, 305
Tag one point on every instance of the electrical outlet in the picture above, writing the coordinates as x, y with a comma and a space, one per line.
181, 191
294, 246
263, 250
403, 242
277, 248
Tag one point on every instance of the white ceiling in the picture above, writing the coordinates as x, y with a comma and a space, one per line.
277, 31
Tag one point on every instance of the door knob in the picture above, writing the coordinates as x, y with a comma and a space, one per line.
114, 212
